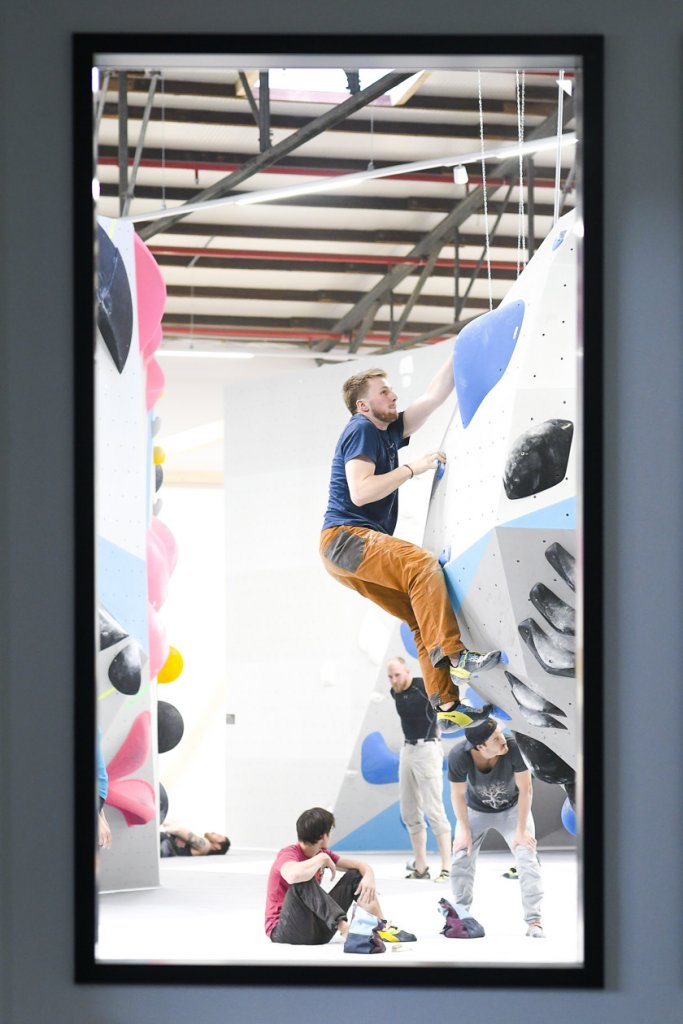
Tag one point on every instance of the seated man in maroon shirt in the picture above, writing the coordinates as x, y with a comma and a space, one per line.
298, 910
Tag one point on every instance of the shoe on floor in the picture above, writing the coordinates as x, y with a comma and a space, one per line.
472, 663
393, 934
535, 931
462, 715
443, 876
511, 873
414, 873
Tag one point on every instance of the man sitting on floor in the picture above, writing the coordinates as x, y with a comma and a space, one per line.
298, 910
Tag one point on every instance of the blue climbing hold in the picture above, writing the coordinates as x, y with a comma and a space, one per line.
481, 355
559, 240
378, 764
408, 641
568, 817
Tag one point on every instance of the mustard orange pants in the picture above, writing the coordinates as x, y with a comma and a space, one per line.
407, 582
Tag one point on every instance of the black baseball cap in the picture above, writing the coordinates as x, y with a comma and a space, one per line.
479, 732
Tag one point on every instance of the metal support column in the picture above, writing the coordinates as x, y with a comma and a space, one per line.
123, 141
264, 111
408, 308
130, 190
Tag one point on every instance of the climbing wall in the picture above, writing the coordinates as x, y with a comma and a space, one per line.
135, 556
502, 521
502, 518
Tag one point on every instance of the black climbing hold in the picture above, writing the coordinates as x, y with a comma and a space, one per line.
540, 719
114, 301
563, 563
538, 459
554, 610
110, 630
158, 477
163, 803
170, 726
125, 671
545, 764
530, 699
554, 653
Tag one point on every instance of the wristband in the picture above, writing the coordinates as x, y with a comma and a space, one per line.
411, 472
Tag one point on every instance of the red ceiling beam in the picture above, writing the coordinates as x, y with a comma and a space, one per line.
445, 178
277, 334
318, 257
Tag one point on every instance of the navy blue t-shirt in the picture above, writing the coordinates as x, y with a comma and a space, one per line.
359, 438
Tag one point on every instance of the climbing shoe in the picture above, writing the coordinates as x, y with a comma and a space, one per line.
471, 663
462, 715
393, 934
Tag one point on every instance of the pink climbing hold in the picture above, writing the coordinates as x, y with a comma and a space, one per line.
151, 292
154, 384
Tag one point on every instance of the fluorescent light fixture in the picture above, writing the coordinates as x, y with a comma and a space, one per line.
260, 353
201, 353
460, 175
346, 180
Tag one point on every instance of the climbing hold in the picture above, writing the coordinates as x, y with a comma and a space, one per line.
481, 355
538, 459
170, 726
555, 654
114, 301
171, 668
125, 670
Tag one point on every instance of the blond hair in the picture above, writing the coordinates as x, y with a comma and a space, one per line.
356, 387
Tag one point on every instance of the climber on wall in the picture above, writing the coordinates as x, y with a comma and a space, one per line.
357, 543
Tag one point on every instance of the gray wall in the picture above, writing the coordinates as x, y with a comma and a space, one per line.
643, 540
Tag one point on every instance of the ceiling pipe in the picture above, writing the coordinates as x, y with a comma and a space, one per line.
317, 185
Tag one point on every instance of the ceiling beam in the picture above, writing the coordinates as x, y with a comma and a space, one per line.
216, 161
319, 296
310, 324
309, 131
458, 215
539, 101
310, 266
290, 122
378, 236
407, 204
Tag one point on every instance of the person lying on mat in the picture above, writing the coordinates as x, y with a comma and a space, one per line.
178, 841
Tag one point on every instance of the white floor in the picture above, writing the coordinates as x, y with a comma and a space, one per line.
210, 911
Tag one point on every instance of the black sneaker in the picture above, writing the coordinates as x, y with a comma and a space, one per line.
471, 664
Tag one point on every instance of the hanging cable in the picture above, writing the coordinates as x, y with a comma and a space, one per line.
558, 161
163, 142
483, 185
521, 239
